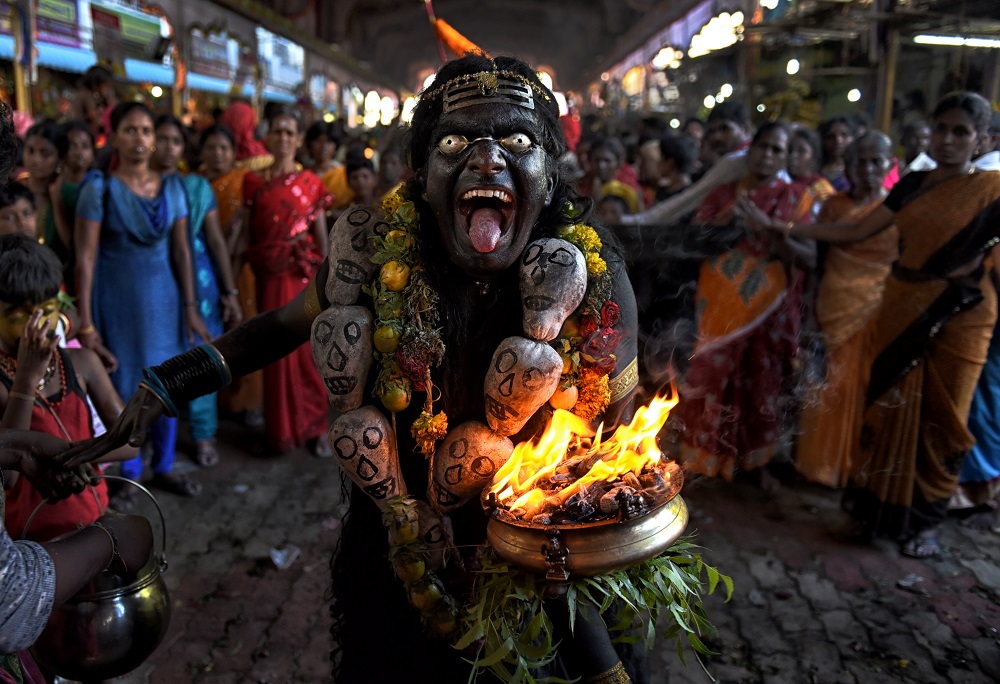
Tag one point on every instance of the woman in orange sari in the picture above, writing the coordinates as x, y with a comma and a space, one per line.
932, 333
286, 237
747, 317
218, 165
849, 296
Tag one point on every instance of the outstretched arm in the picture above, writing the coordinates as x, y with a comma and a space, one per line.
256, 343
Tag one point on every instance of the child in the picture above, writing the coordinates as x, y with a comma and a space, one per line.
17, 210
44, 388
75, 145
362, 180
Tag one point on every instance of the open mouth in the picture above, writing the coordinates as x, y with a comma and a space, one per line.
487, 214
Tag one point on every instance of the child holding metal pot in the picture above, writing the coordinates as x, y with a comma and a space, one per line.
37, 578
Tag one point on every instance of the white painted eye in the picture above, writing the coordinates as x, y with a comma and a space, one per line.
517, 142
452, 144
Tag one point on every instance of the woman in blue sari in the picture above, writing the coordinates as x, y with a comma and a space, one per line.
215, 287
131, 236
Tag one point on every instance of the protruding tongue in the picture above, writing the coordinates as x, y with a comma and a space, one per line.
484, 229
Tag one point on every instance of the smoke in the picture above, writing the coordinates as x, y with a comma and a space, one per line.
664, 267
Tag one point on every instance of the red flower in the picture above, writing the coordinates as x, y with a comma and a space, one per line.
604, 366
414, 369
588, 326
610, 313
602, 344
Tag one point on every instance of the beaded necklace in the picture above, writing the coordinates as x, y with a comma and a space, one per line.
8, 367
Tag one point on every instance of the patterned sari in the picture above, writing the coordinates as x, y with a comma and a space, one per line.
848, 298
748, 318
246, 392
284, 257
930, 341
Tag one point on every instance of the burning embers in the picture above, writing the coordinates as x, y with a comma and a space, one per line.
571, 475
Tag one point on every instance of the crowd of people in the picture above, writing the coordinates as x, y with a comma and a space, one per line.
823, 297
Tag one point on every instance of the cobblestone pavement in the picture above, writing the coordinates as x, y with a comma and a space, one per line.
806, 608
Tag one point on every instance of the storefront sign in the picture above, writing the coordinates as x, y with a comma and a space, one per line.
282, 60
212, 55
121, 33
58, 22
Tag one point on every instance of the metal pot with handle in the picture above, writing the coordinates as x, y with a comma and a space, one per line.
113, 623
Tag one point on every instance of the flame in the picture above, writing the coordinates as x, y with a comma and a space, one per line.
629, 449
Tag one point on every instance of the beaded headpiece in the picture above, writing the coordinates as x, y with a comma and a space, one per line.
488, 87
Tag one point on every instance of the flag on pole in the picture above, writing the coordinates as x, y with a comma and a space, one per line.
449, 38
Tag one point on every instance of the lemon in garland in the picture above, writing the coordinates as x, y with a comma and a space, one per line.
396, 396
394, 275
386, 339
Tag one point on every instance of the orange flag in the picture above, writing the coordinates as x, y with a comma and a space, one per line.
455, 41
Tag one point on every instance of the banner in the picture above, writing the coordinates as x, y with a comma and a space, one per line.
120, 33
211, 55
59, 22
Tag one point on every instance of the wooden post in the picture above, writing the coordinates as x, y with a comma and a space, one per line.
22, 89
887, 80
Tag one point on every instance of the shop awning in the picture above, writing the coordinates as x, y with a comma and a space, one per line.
75, 60
210, 84
138, 71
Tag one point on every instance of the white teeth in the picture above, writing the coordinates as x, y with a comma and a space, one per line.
501, 195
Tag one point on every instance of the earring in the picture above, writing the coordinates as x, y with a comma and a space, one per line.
152, 148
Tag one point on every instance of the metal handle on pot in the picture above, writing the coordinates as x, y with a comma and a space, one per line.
163, 523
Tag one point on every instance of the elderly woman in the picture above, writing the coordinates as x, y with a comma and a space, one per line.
932, 332
849, 296
486, 184
747, 318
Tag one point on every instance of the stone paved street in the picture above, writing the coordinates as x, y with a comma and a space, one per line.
806, 608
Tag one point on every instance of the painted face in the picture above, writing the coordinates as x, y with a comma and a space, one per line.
40, 157
954, 138
218, 155
487, 181
134, 137
836, 140
18, 217
868, 170
801, 158
768, 155
80, 154
725, 136
13, 318
283, 137
604, 164
169, 147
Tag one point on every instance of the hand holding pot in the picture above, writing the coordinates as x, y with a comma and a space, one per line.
135, 541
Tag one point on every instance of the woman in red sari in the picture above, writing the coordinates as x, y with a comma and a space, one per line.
284, 230
747, 313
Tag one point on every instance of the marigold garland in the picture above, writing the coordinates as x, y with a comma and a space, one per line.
408, 344
587, 349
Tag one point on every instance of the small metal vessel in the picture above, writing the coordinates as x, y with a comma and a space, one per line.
111, 625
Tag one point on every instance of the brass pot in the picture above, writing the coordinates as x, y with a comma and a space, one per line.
111, 625
587, 549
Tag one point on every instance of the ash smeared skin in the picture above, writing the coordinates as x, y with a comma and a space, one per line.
486, 166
